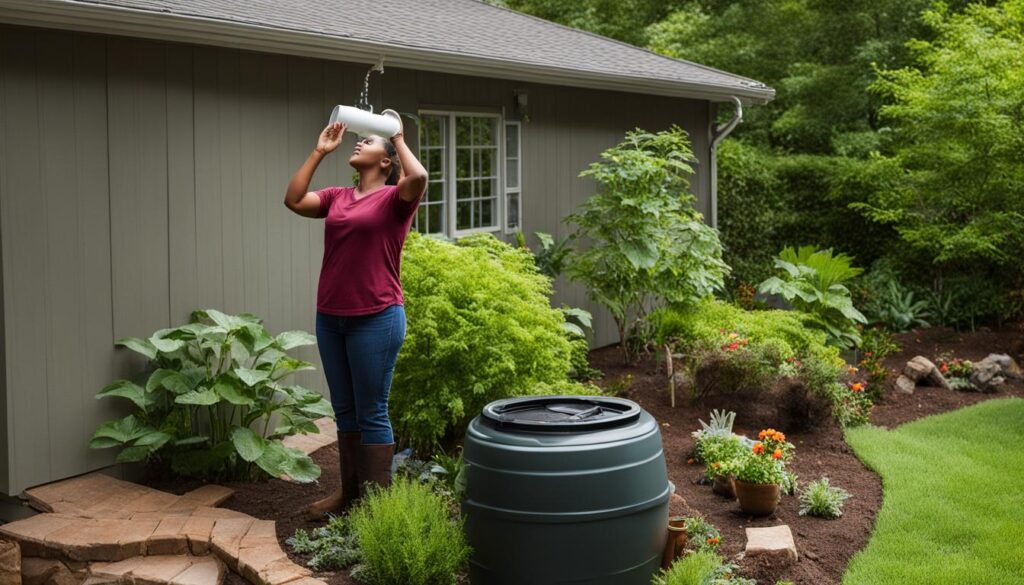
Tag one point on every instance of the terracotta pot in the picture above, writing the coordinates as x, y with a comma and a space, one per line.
676, 542
757, 499
723, 486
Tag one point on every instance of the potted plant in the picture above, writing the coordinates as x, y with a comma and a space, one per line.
718, 453
759, 473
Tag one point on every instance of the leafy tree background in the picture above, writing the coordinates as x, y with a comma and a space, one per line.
894, 137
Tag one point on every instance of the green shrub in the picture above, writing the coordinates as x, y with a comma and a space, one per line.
206, 406
407, 535
481, 328
645, 240
813, 282
718, 449
898, 309
332, 546
821, 499
692, 569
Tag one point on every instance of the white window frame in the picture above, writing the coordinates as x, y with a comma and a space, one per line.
504, 174
450, 198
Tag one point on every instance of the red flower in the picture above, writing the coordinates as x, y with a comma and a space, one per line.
777, 454
734, 346
758, 448
857, 387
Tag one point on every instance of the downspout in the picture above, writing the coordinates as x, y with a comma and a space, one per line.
720, 133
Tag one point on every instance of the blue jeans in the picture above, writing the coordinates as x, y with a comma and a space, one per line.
359, 354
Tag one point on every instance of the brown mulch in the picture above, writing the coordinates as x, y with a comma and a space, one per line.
825, 546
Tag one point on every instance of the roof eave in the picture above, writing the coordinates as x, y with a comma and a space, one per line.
108, 19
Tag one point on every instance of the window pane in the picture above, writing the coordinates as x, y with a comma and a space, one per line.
512, 173
462, 210
463, 131
488, 132
486, 168
463, 163
435, 214
464, 189
435, 192
486, 218
435, 163
512, 140
513, 210
487, 188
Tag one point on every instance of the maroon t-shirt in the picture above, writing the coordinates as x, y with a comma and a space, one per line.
363, 241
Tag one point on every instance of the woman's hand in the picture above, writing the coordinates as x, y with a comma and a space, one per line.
330, 138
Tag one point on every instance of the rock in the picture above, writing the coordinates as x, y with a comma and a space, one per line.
37, 571
677, 506
10, 562
918, 368
921, 370
774, 541
986, 376
905, 385
1008, 368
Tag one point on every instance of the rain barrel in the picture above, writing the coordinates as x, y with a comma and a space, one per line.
565, 489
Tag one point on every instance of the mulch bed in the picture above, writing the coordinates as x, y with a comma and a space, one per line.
825, 546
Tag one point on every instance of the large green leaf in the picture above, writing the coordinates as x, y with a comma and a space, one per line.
229, 322
154, 440
172, 380
251, 377
230, 390
290, 365
164, 344
138, 345
133, 453
301, 467
122, 430
317, 409
292, 339
275, 460
201, 397
249, 445
195, 440
126, 389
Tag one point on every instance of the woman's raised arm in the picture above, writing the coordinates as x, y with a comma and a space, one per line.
298, 197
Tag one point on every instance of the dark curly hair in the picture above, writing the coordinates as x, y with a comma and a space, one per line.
396, 165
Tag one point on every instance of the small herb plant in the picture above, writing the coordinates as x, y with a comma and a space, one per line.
407, 534
766, 461
207, 404
702, 534
718, 452
822, 500
332, 546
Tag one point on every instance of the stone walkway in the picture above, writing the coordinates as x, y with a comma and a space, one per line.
308, 443
106, 530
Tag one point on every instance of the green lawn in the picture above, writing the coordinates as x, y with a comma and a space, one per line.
953, 509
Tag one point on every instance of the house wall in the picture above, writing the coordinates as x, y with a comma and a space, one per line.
140, 180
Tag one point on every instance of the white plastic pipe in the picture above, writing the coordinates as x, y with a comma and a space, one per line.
364, 123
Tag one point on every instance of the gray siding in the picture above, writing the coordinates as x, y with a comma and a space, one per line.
140, 180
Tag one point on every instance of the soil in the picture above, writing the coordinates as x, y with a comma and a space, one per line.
825, 546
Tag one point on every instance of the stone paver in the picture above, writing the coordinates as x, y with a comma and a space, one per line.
308, 443
101, 529
163, 570
775, 541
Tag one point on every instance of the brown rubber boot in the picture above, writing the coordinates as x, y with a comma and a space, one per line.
339, 501
375, 464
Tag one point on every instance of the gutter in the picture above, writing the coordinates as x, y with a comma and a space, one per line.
720, 133
107, 19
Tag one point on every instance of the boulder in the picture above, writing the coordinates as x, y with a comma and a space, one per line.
905, 385
1008, 368
923, 371
986, 376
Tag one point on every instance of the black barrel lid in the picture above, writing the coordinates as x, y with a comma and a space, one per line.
561, 413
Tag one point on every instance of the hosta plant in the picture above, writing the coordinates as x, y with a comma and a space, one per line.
215, 403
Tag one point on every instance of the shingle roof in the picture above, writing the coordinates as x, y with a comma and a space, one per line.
468, 30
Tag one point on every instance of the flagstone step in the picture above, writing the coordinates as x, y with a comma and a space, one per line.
150, 524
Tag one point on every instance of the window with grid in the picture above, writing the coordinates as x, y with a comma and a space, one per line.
476, 172
513, 181
461, 152
431, 215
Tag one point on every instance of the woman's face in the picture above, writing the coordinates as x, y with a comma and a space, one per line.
369, 152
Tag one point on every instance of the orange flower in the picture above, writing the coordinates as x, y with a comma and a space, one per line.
758, 448
779, 436
851, 370
716, 465
691, 461
713, 540
857, 387
777, 454
762, 435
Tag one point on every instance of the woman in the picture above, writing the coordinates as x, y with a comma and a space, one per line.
360, 318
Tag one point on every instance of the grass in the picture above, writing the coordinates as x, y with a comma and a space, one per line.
953, 509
